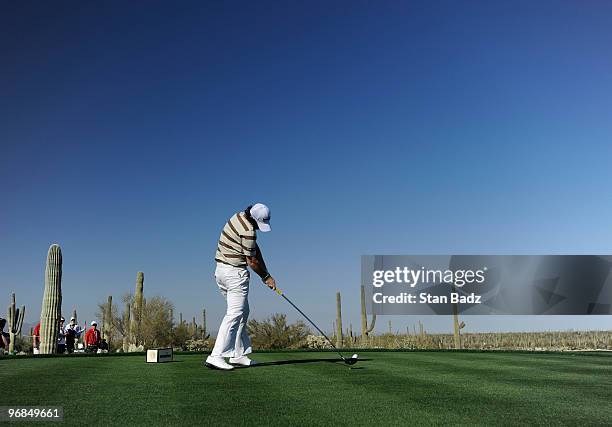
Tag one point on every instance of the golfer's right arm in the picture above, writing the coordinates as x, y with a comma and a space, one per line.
258, 265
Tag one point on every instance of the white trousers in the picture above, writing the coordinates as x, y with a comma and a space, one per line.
233, 338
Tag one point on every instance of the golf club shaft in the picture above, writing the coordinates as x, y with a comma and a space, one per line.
313, 324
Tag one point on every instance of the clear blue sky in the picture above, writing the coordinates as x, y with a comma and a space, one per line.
130, 132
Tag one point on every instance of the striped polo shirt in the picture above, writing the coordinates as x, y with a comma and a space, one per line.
237, 241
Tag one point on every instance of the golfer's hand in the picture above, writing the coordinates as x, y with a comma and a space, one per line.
271, 283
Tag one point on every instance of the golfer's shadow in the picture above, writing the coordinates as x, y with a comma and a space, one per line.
300, 361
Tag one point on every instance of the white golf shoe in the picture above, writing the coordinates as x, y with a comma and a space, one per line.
217, 362
242, 361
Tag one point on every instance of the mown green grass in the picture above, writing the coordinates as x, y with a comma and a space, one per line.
389, 388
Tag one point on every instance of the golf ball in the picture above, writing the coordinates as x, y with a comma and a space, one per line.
354, 356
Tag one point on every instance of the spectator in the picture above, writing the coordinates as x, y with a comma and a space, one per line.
4, 337
61, 337
73, 332
36, 339
92, 338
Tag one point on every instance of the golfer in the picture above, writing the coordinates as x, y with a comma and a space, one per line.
237, 248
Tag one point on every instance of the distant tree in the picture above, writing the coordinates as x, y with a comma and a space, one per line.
180, 335
275, 333
117, 322
156, 324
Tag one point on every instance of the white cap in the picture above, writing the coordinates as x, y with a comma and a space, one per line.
72, 318
261, 214
94, 323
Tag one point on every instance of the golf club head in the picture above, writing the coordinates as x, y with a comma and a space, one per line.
352, 360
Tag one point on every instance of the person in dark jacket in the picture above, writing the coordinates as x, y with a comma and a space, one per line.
4, 336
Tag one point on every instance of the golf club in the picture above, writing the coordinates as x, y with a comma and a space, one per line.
349, 361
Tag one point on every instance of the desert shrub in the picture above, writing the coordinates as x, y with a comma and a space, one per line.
316, 342
197, 345
535, 341
275, 333
23, 344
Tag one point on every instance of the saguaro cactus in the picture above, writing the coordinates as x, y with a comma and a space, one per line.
364, 317
137, 308
15, 322
108, 319
457, 326
338, 320
203, 323
126, 326
52, 301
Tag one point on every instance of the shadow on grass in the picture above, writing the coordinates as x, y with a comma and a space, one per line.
299, 361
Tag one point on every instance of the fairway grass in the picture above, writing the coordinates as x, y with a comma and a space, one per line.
384, 388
